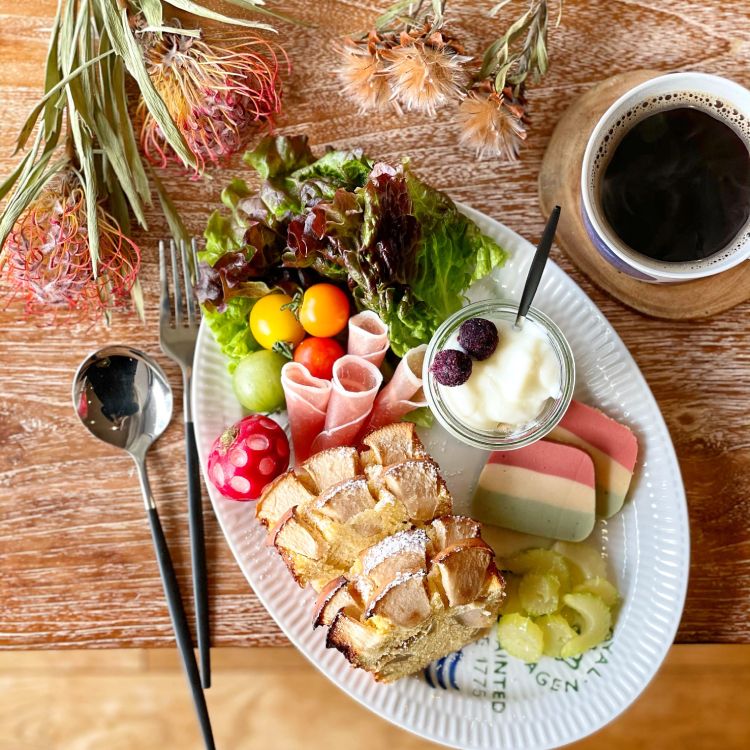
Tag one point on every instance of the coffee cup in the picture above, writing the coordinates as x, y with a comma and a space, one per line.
647, 254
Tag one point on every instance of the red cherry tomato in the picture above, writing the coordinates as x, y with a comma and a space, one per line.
318, 356
324, 311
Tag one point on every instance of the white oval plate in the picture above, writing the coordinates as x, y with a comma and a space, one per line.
479, 697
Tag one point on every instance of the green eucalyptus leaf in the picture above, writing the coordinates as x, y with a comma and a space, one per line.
542, 58
113, 147
126, 130
152, 12
24, 196
392, 13
176, 227
84, 106
518, 27
254, 6
117, 203
10, 180
52, 74
437, 9
28, 127
498, 8
196, 33
199, 10
67, 41
501, 76
136, 293
128, 48
85, 154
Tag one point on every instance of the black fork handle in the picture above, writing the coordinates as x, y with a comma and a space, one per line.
198, 553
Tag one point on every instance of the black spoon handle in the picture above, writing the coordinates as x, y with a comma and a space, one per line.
198, 554
537, 265
180, 625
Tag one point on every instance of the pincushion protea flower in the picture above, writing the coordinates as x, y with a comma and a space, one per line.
490, 125
47, 260
218, 90
427, 71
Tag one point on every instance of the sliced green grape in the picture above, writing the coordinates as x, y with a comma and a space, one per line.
584, 561
512, 602
520, 637
600, 587
557, 632
542, 561
597, 622
539, 593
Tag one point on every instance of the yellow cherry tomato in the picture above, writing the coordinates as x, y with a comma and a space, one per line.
324, 311
269, 323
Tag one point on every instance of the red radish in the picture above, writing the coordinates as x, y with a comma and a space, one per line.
248, 456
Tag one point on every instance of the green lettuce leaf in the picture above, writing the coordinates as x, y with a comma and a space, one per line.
231, 329
405, 250
453, 252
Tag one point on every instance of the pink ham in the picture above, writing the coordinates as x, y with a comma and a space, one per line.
404, 392
306, 402
368, 337
354, 387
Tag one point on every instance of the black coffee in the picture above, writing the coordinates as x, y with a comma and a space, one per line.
677, 186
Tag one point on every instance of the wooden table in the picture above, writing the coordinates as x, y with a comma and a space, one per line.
76, 564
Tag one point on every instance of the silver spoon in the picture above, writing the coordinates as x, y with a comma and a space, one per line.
123, 398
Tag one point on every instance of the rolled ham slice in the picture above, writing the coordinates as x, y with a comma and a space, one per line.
307, 399
368, 337
403, 394
355, 384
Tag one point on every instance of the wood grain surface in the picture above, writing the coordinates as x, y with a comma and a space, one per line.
136, 698
76, 564
560, 184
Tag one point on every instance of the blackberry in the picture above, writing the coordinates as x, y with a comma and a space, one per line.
478, 337
451, 367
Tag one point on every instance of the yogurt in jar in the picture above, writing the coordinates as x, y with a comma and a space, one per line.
510, 388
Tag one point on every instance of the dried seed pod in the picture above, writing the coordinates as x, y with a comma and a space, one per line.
489, 126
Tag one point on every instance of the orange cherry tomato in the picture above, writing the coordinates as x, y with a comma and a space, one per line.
324, 311
318, 356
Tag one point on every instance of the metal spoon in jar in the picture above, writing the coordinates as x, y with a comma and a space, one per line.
537, 267
123, 398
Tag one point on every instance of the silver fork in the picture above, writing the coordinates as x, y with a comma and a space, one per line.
178, 343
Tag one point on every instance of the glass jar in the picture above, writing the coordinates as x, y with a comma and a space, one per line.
521, 435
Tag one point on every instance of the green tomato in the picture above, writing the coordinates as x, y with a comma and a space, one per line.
257, 381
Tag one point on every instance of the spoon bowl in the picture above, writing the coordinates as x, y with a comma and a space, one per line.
123, 398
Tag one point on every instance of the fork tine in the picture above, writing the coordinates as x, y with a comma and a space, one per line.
178, 319
165, 312
190, 299
196, 267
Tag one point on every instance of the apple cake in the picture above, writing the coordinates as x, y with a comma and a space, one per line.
400, 580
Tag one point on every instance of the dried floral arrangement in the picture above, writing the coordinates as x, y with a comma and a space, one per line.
409, 62
65, 230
